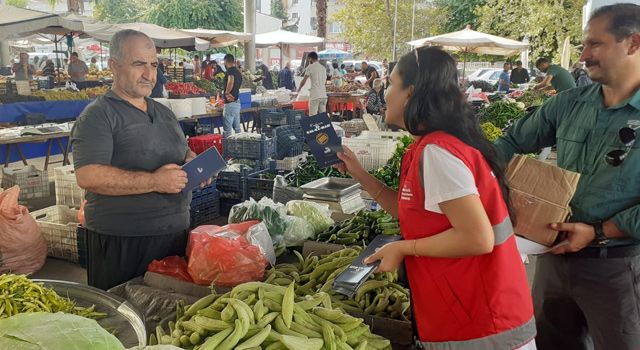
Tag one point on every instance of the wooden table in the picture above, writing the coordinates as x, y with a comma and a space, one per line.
342, 101
49, 139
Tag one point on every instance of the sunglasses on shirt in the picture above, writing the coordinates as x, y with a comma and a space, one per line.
628, 138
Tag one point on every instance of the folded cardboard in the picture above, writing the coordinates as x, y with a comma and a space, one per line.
540, 195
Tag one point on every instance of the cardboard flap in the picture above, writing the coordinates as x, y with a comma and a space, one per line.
541, 180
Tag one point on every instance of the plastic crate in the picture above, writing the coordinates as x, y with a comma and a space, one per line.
275, 119
249, 149
353, 127
267, 130
372, 154
258, 187
199, 144
294, 116
33, 183
290, 163
59, 226
205, 205
67, 190
381, 135
226, 204
288, 144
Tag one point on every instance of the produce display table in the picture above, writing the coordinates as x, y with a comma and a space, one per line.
36, 146
54, 110
339, 102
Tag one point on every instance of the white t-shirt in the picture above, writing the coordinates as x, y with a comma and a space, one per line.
318, 76
445, 177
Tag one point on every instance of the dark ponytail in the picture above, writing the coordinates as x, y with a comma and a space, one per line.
437, 104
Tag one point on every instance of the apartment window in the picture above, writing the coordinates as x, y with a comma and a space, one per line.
259, 5
294, 15
336, 27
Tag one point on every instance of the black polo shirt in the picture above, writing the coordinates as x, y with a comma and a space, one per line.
111, 131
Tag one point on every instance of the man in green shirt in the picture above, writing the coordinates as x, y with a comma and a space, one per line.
557, 76
588, 290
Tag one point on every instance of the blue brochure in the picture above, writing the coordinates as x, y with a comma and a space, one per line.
322, 139
203, 167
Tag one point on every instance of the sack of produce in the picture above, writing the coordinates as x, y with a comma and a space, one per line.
53, 331
317, 215
274, 216
173, 266
298, 231
23, 248
229, 255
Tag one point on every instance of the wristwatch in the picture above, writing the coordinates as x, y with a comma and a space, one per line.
600, 239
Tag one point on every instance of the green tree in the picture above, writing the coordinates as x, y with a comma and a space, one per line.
119, 11
18, 3
208, 14
546, 23
368, 25
278, 10
460, 13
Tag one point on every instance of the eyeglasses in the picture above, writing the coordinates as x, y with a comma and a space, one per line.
628, 138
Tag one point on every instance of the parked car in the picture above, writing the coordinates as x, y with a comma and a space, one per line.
492, 75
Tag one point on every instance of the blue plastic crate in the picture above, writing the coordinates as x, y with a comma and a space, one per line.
275, 119
288, 144
258, 187
294, 116
249, 149
245, 97
226, 204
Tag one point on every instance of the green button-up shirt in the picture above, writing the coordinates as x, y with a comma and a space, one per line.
584, 132
562, 80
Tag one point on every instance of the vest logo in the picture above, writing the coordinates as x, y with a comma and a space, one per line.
406, 194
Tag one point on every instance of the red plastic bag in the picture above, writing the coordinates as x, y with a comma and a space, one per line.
173, 266
224, 255
23, 248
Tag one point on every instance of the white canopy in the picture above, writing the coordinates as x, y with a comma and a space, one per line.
468, 40
283, 37
17, 22
219, 38
164, 38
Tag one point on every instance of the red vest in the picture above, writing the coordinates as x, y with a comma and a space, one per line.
476, 302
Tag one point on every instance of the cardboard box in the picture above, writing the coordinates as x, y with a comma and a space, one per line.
540, 194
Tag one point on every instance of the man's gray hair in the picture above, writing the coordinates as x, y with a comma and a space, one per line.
119, 38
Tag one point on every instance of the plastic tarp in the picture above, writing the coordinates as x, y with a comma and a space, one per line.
219, 38
162, 37
18, 22
468, 40
283, 37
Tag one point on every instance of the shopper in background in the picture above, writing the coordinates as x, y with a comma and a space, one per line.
580, 75
128, 150
265, 77
285, 78
557, 77
317, 73
209, 71
94, 64
205, 63
336, 76
370, 73
586, 293
519, 75
23, 70
197, 66
77, 69
158, 88
343, 70
504, 82
232, 82
469, 288
49, 69
375, 99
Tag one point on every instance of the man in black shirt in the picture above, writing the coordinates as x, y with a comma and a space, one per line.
232, 82
370, 73
519, 75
